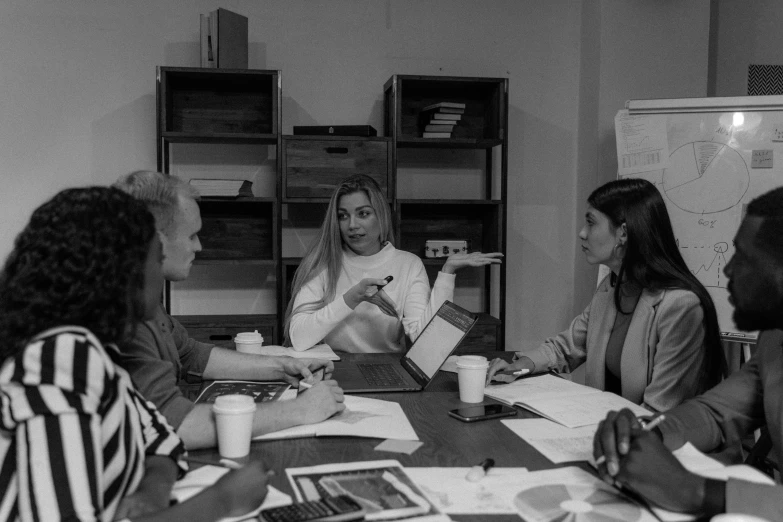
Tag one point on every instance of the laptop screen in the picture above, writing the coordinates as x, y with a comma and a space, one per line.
439, 338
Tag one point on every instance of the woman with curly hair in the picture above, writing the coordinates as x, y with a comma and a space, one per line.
336, 295
77, 442
650, 332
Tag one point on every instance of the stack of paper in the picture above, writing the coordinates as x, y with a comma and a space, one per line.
570, 404
362, 417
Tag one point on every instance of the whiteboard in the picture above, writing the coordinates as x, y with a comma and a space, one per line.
707, 164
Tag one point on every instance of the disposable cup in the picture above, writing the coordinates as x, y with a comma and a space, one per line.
472, 374
234, 420
249, 342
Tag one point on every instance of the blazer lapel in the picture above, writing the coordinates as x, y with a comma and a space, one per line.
637, 358
602, 315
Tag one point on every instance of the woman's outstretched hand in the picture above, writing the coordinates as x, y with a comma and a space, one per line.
456, 261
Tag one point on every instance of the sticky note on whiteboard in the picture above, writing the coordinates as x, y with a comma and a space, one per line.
761, 159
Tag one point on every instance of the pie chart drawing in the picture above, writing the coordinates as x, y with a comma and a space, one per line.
574, 503
705, 177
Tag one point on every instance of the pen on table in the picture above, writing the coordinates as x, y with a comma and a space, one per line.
645, 427
476, 473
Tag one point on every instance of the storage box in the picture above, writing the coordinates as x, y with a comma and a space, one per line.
435, 248
366, 131
314, 167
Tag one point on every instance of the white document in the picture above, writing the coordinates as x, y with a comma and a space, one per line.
452, 494
565, 402
205, 476
642, 143
362, 417
554, 441
319, 351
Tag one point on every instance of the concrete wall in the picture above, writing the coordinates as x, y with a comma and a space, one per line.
77, 97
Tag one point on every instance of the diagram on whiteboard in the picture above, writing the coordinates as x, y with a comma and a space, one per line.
705, 177
713, 260
711, 172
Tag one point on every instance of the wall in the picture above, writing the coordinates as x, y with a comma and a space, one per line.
631, 50
748, 33
78, 96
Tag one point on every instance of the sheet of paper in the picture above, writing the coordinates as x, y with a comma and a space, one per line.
539, 387
362, 417
642, 143
205, 476
570, 493
451, 364
554, 441
399, 446
576, 411
452, 494
319, 351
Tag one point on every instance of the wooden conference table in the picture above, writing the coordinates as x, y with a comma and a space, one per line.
448, 442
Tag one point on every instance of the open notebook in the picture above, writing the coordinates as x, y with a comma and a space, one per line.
560, 400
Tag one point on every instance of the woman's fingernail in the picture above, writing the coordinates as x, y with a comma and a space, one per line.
623, 448
612, 468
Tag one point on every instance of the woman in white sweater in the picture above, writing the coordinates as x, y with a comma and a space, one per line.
337, 295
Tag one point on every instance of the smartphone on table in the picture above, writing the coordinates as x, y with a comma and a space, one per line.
340, 508
483, 412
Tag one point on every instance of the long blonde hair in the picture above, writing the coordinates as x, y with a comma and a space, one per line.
326, 252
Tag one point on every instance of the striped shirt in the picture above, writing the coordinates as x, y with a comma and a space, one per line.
74, 431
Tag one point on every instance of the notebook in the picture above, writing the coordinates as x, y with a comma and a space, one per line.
415, 370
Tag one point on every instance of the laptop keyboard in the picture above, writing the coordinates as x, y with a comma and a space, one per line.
381, 374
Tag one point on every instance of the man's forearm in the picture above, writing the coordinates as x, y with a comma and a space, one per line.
198, 429
230, 364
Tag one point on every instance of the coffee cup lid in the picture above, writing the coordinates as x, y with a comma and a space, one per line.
472, 361
249, 337
235, 403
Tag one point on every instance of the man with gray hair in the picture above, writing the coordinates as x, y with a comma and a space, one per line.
160, 352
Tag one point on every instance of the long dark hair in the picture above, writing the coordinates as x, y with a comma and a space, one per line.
652, 258
79, 261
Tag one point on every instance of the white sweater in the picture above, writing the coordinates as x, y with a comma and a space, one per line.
366, 329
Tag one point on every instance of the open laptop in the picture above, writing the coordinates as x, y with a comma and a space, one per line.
418, 367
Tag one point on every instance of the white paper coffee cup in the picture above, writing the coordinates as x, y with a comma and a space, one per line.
472, 374
234, 420
249, 342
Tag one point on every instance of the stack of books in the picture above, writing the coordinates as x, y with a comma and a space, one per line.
223, 188
439, 119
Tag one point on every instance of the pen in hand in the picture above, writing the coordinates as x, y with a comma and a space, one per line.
646, 426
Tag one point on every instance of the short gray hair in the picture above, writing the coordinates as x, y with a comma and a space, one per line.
160, 192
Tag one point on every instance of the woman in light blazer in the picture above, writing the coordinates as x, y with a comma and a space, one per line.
650, 333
